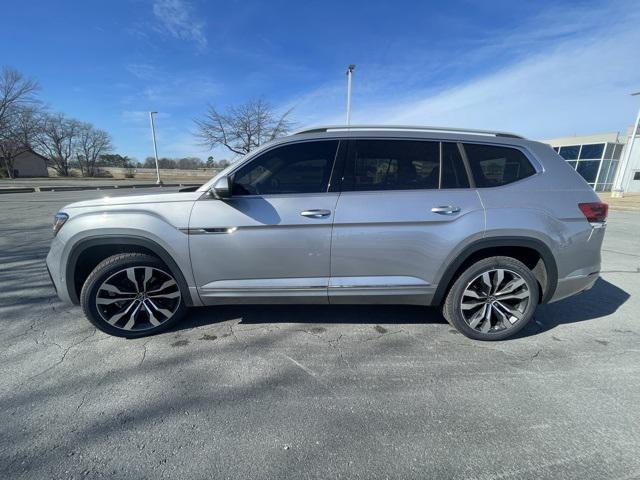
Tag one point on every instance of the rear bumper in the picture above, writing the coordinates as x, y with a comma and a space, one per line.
573, 285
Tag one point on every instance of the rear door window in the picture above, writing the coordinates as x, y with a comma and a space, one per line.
454, 175
492, 166
392, 165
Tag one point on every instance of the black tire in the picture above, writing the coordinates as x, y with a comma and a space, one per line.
500, 326
116, 268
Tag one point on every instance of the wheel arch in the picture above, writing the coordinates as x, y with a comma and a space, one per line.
546, 274
114, 244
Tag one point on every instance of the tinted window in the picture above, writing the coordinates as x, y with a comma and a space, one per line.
493, 166
608, 153
392, 165
636, 175
604, 170
588, 169
612, 172
570, 153
454, 174
592, 151
617, 151
299, 168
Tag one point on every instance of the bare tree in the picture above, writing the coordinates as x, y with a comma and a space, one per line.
91, 143
18, 134
242, 128
17, 114
58, 140
15, 91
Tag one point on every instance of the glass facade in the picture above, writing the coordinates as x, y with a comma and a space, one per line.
596, 162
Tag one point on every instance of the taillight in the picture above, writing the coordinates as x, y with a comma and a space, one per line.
594, 212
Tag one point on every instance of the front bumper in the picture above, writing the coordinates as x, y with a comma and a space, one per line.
51, 279
56, 274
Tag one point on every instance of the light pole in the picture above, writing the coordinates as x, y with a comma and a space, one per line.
617, 190
350, 70
155, 148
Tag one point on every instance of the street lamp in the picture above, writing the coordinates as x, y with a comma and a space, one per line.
350, 70
155, 148
617, 190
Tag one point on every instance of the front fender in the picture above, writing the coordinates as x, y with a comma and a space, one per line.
150, 230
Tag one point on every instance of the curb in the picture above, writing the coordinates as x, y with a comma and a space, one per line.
73, 188
17, 190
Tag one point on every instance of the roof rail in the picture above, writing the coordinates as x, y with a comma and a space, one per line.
334, 128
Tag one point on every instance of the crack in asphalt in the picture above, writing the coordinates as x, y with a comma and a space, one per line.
144, 353
621, 253
64, 354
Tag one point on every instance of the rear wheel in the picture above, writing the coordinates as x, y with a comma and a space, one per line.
492, 299
132, 295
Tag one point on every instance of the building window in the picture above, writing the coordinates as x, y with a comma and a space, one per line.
593, 151
588, 169
617, 151
570, 152
608, 152
636, 175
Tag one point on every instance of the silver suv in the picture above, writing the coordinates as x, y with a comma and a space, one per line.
486, 225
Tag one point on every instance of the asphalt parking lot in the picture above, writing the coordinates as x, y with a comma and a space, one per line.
315, 392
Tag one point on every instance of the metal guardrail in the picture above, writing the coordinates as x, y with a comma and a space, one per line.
73, 188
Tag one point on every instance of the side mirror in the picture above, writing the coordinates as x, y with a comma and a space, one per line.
222, 188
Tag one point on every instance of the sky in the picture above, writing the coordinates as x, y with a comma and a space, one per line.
539, 68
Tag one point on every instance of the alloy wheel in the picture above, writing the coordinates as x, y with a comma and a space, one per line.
495, 300
138, 298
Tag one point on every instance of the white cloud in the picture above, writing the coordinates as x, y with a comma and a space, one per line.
143, 71
177, 18
570, 75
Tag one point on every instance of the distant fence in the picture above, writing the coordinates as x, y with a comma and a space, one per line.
169, 172
142, 173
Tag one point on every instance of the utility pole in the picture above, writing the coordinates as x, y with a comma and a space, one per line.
618, 188
155, 148
350, 70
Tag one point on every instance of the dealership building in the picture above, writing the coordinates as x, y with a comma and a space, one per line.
600, 159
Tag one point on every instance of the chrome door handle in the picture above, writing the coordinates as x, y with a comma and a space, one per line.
445, 210
316, 213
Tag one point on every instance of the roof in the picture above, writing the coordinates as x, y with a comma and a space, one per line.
613, 137
33, 152
404, 128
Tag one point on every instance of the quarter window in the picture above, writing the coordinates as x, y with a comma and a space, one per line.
493, 166
297, 168
393, 165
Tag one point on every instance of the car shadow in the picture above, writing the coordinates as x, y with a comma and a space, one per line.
602, 300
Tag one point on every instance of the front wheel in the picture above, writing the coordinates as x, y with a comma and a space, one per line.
132, 295
492, 299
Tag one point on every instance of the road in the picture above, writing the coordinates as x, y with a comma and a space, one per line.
315, 392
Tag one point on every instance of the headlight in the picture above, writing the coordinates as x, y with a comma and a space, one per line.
58, 222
